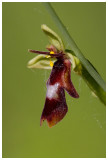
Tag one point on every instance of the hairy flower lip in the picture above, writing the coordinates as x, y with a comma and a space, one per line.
61, 54
55, 107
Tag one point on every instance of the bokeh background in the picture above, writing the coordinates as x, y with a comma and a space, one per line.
82, 132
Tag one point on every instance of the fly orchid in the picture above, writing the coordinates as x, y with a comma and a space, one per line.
55, 107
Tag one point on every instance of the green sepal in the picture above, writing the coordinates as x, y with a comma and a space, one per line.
54, 39
76, 64
41, 62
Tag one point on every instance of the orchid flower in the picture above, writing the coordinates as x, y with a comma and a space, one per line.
55, 107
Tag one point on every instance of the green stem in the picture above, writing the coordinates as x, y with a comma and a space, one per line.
90, 69
93, 85
79, 69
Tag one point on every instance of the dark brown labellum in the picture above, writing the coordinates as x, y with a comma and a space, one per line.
55, 105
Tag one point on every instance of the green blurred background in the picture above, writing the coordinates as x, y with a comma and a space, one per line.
82, 132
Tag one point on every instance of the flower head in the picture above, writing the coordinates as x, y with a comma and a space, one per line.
55, 107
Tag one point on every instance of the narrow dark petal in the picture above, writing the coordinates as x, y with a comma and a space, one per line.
46, 53
55, 105
39, 52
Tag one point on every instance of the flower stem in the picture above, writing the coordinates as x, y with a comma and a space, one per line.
93, 85
80, 70
90, 69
